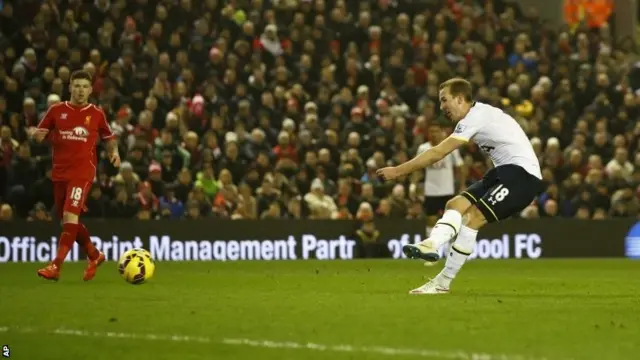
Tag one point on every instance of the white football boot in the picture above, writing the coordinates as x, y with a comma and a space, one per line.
430, 288
423, 250
448, 245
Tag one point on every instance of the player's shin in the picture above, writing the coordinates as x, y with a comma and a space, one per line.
84, 240
460, 251
446, 228
67, 238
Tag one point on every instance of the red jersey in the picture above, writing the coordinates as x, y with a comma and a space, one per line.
73, 132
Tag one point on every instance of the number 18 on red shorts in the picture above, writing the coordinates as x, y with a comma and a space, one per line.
70, 196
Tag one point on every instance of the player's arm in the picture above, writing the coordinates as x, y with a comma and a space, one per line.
111, 146
465, 130
424, 159
47, 124
431, 156
112, 152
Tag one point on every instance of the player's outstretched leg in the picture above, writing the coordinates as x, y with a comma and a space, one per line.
67, 238
94, 257
460, 251
445, 229
431, 221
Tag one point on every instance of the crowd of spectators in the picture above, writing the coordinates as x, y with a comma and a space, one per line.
263, 109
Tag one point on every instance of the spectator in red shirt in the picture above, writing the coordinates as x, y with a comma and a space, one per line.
146, 199
285, 150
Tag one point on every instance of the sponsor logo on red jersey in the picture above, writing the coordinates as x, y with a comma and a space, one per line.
78, 133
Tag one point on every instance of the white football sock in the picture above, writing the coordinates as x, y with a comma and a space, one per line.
460, 251
446, 228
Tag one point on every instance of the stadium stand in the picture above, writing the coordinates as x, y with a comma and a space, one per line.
284, 109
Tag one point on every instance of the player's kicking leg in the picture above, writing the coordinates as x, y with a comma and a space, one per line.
445, 229
435, 207
501, 198
448, 226
458, 254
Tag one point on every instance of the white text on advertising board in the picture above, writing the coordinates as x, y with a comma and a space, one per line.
518, 246
307, 246
164, 248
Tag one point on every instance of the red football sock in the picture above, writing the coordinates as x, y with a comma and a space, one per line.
84, 240
68, 236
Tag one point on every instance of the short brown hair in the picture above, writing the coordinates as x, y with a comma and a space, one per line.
80, 75
458, 86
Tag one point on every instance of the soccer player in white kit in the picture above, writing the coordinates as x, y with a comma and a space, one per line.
505, 190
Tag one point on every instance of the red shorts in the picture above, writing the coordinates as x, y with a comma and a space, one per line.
70, 195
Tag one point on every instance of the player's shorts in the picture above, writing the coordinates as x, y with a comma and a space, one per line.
70, 196
503, 192
434, 205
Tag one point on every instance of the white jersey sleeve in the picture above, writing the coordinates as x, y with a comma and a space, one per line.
468, 127
498, 135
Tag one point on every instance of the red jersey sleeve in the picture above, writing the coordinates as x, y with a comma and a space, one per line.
48, 120
103, 126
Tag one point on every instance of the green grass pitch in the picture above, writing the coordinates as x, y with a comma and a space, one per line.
551, 309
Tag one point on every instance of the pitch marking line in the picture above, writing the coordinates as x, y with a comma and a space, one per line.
379, 350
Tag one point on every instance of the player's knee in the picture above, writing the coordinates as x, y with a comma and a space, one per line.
458, 203
69, 218
475, 218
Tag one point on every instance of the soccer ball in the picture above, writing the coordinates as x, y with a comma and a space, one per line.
136, 266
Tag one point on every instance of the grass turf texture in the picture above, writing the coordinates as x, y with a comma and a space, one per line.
554, 309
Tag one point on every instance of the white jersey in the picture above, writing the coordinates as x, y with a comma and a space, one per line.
439, 177
499, 135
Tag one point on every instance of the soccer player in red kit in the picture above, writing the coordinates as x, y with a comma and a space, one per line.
73, 128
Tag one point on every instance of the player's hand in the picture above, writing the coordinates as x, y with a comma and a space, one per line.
388, 173
37, 134
115, 159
